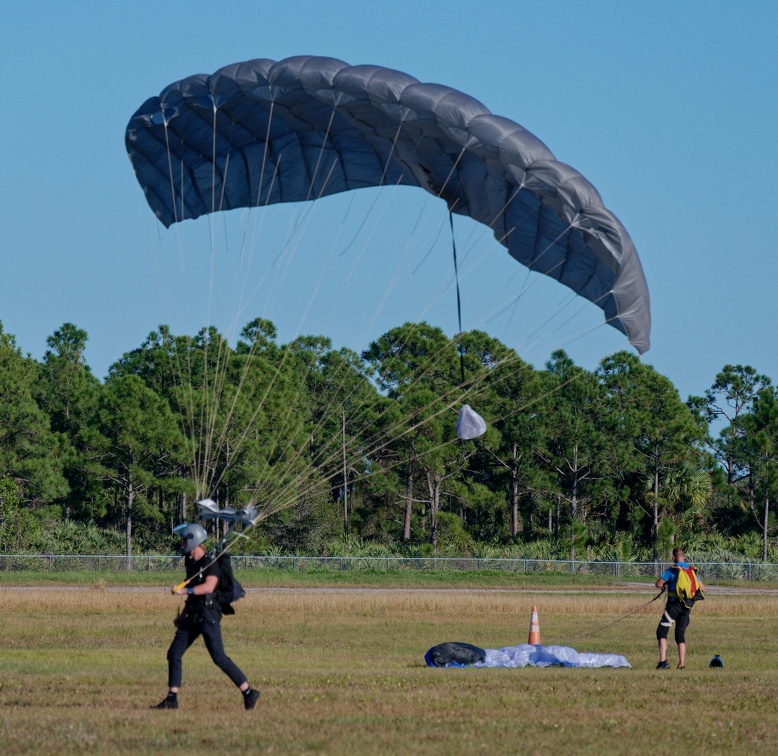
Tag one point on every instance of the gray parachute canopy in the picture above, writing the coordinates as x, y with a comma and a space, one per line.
262, 132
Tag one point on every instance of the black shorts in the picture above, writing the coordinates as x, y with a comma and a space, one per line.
677, 613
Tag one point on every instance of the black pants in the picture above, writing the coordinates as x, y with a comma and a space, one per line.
677, 613
205, 623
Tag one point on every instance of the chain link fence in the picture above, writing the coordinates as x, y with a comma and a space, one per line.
753, 571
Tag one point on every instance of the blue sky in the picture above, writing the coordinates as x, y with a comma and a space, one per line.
668, 108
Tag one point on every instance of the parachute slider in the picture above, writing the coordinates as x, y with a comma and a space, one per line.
470, 424
227, 514
247, 516
208, 509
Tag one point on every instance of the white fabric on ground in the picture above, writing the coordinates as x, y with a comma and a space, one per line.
547, 656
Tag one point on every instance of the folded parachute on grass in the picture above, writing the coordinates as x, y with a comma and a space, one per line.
523, 655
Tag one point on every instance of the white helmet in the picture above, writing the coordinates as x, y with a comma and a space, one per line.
191, 535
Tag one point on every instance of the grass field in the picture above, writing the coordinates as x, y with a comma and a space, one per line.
341, 670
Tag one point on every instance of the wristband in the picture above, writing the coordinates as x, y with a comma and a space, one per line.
190, 591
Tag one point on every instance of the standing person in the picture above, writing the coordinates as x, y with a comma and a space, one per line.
683, 589
201, 616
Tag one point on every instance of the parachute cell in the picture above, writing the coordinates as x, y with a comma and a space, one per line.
263, 132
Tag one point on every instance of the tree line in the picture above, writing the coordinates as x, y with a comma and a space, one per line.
344, 450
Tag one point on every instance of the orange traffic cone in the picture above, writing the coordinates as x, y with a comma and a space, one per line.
534, 628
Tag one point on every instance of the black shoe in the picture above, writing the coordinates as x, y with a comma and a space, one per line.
663, 665
167, 703
250, 699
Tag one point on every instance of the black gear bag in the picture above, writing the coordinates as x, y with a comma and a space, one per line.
229, 589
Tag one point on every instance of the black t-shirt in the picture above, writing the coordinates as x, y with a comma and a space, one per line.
192, 567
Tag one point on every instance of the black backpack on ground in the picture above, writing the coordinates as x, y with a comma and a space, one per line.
229, 589
454, 655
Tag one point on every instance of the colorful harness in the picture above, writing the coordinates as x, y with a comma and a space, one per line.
686, 586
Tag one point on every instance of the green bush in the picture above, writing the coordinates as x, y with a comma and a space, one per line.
18, 526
